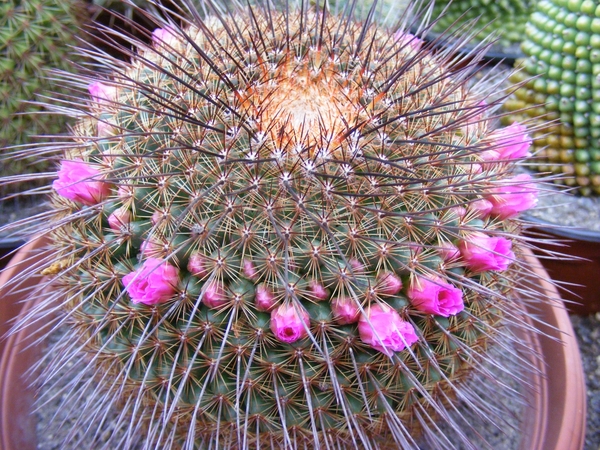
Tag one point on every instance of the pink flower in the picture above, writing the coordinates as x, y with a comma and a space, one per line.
153, 283
388, 283
164, 36
514, 196
508, 143
289, 322
102, 93
198, 265
318, 291
410, 40
345, 310
383, 329
264, 298
249, 270
214, 295
119, 218
460, 211
435, 296
105, 129
448, 251
476, 115
482, 208
80, 181
152, 247
125, 193
481, 253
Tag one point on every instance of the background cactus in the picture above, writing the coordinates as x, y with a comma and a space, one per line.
563, 52
285, 229
34, 40
507, 18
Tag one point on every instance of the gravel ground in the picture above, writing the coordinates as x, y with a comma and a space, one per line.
587, 329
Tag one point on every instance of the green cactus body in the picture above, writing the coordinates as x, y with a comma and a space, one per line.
298, 157
34, 39
563, 53
507, 18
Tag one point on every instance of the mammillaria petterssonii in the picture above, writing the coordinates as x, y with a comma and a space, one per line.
280, 228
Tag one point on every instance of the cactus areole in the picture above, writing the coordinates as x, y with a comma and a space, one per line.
273, 235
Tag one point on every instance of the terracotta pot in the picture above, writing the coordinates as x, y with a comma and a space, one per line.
579, 270
17, 424
558, 392
555, 421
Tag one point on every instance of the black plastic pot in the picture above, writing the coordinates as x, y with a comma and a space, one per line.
578, 270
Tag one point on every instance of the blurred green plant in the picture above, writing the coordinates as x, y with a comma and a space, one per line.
561, 76
34, 40
507, 18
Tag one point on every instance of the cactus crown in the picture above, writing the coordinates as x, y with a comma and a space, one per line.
285, 229
562, 49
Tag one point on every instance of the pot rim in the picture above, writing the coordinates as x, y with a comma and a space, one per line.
579, 234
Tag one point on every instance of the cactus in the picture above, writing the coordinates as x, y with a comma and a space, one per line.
563, 53
34, 40
285, 229
507, 18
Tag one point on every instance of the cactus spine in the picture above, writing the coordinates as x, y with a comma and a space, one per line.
563, 52
285, 229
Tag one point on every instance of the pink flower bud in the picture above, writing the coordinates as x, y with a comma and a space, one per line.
164, 36
410, 40
448, 251
105, 129
155, 282
289, 322
490, 156
102, 93
508, 143
214, 295
318, 291
388, 283
514, 196
415, 249
434, 296
383, 329
481, 208
357, 266
460, 211
477, 114
125, 193
152, 247
249, 270
80, 182
198, 265
157, 217
119, 218
481, 253
345, 310
264, 299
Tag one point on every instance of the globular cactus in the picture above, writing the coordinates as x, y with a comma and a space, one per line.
507, 18
285, 229
35, 36
562, 50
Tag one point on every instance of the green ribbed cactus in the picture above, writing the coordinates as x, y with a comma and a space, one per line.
285, 229
507, 18
563, 53
35, 36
